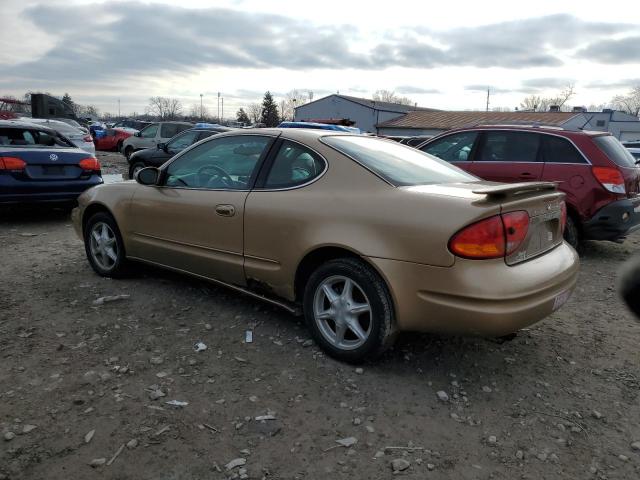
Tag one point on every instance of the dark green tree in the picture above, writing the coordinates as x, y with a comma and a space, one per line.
66, 98
270, 116
242, 117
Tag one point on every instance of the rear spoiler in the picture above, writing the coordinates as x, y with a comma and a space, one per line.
514, 189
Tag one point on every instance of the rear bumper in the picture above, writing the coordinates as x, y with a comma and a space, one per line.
13, 192
614, 220
484, 297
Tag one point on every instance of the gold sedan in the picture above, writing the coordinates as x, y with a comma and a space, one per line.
364, 236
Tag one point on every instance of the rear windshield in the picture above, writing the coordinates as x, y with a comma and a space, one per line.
398, 164
28, 137
615, 151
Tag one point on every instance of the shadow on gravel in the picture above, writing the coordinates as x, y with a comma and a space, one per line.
35, 214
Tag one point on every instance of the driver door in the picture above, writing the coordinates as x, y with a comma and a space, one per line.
193, 220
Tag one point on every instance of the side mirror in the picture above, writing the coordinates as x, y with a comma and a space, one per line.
162, 146
147, 176
137, 134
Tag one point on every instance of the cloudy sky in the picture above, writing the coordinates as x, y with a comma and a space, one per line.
440, 54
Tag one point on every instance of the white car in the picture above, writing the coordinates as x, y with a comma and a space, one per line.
152, 135
79, 138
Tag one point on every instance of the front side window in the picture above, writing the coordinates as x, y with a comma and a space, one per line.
181, 142
149, 132
227, 163
560, 150
502, 146
398, 164
294, 165
452, 148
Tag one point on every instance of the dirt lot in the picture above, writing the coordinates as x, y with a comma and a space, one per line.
559, 401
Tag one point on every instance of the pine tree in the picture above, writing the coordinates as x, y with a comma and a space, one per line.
270, 116
242, 117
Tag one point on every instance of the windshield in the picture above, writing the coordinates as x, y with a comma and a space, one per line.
398, 164
28, 137
616, 152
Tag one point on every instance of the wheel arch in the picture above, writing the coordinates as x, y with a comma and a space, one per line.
91, 210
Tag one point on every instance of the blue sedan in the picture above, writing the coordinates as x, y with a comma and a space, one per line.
39, 165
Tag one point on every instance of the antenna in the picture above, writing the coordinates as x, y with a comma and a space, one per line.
488, 98
585, 123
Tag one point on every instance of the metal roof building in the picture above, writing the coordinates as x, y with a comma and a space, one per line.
363, 112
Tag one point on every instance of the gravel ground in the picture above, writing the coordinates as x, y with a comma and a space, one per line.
84, 385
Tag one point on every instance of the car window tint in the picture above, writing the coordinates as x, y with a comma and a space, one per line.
225, 163
168, 130
503, 146
560, 150
182, 141
149, 132
206, 134
616, 152
294, 165
452, 148
398, 164
20, 137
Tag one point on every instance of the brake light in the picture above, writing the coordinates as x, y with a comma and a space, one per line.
87, 138
493, 237
610, 178
12, 163
563, 217
90, 164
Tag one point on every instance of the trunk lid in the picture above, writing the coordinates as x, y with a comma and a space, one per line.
631, 180
49, 164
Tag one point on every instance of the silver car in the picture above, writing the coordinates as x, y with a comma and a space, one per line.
79, 138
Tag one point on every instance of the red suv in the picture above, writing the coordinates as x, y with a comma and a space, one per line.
598, 175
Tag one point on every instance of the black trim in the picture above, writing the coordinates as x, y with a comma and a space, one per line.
265, 167
607, 223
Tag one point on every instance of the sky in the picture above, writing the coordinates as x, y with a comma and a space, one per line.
439, 54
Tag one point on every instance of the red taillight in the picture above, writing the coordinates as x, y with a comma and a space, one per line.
563, 217
91, 164
87, 138
493, 237
12, 163
610, 178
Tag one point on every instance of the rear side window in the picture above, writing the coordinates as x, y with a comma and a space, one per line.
294, 165
398, 164
24, 137
501, 146
169, 130
615, 151
560, 150
452, 148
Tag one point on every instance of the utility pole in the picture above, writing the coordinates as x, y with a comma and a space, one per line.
223, 108
218, 107
487, 99
201, 110
118, 109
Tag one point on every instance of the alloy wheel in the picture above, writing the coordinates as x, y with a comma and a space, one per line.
103, 246
342, 312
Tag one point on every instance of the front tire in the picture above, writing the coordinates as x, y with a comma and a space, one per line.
349, 310
127, 152
104, 246
134, 168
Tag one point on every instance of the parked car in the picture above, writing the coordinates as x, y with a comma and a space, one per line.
112, 139
632, 143
598, 175
365, 236
153, 134
154, 157
319, 126
73, 123
129, 124
39, 165
78, 137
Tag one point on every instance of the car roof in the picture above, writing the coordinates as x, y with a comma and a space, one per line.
527, 128
22, 124
300, 134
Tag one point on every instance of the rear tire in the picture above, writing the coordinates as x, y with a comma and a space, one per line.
104, 246
349, 310
128, 151
572, 233
119, 147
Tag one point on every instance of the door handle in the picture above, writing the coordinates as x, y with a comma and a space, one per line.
225, 210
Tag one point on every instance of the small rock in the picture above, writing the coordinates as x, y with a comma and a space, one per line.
97, 462
307, 343
156, 360
486, 389
359, 371
430, 466
89, 436
133, 443
624, 458
236, 462
207, 326
370, 429
347, 442
9, 436
379, 454
635, 446
442, 396
399, 464
28, 428
519, 454
357, 421
596, 414
156, 394
492, 439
